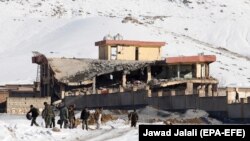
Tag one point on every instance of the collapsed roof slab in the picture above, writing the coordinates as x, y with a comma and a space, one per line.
78, 70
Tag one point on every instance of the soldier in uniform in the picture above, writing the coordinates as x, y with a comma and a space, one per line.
71, 117
133, 116
64, 114
47, 114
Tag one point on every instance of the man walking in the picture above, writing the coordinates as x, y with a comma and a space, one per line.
98, 117
34, 114
64, 114
84, 116
47, 114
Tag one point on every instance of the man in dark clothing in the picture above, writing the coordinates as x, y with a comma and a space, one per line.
133, 116
53, 120
34, 114
71, 117
84, 116
64, 115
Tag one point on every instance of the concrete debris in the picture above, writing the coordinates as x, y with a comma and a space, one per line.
105, 118
78, 70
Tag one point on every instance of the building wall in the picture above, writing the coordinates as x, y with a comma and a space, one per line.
107, 52
126, 53
149, 53
21, 105
102, 53
235, 110
177, 102
239, 110
231, 92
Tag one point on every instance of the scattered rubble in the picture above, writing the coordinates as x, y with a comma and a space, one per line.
76, 70
105, 118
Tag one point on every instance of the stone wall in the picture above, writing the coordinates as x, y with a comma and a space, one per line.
21, 105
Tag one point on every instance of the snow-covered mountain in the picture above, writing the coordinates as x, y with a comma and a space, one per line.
70, 27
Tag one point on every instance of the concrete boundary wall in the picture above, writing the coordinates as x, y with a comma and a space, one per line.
133, 99
21, 105
126, 99
218, 103
239, 110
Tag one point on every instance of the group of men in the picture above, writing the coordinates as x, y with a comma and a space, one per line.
47, 114
67, 116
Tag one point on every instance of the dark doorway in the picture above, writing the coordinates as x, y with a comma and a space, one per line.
136, 53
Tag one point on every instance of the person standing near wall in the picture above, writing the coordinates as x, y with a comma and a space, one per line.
98, 117
64, 114
34, 114
133, 116
237, 97
71, 117
47, 114
53, 120
85, 116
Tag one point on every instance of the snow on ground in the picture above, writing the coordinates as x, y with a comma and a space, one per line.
17, 127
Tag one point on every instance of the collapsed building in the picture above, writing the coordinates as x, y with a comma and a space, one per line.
124, 66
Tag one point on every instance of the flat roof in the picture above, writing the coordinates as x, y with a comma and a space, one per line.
129, 43
191, 59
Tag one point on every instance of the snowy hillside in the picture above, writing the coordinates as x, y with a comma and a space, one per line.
70, 27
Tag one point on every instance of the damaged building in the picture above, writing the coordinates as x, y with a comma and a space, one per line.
126, 66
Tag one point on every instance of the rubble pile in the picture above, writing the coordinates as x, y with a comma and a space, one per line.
105, 118
76, 70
